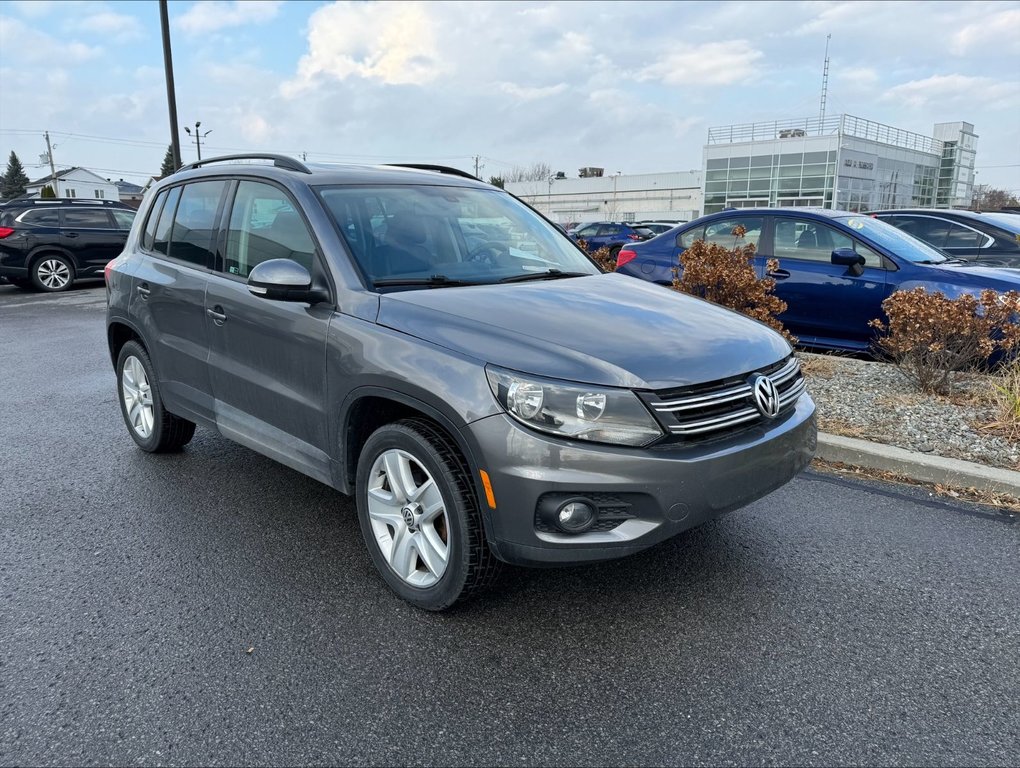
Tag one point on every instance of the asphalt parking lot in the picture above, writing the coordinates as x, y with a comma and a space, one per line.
214, 607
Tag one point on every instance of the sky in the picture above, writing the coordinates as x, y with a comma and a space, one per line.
630, 87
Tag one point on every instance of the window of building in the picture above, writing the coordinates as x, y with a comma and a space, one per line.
69, 193
265, 225
100, 194
813, 241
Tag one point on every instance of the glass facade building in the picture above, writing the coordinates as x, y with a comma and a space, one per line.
841, 162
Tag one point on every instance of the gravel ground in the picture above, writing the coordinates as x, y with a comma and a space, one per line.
873, 401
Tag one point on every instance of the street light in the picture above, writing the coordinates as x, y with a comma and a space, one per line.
198, 137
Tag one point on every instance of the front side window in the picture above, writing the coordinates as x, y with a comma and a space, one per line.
195, 223
590, 231
813, 241
465, 234
87, 219
265, 225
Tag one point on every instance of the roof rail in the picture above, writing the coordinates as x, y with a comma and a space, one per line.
436, 168
279, 161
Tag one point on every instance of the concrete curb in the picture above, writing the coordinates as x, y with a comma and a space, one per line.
923, 467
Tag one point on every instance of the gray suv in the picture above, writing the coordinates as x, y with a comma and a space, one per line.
486, 398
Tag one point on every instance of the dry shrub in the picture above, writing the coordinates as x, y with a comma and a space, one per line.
929, 336
1006, 389
726, 276
602, 256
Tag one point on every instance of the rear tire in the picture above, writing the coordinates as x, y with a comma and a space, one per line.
419, 516
150, 425
52, 273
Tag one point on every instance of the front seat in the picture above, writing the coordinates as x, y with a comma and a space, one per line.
403, 249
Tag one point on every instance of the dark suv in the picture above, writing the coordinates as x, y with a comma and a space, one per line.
47, 244
483, 400
985, 239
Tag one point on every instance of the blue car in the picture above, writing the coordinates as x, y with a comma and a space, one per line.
835, 268
613, 235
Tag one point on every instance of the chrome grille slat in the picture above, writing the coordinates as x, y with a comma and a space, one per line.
702, 414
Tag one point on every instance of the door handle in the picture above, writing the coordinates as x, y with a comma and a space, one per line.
217, 314
70, 234
143, 290
779, 274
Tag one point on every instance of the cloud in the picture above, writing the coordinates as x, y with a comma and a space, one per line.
705, 64
108, 23
212, 15
393, 43
1000, 29
22, 43
946, 90
526, 93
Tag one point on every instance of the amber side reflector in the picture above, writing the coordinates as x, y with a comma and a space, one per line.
489, 495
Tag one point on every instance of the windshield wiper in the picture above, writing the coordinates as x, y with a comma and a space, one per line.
549, 274
434, 281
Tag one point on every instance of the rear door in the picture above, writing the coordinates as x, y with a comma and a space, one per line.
92, 238
268, 358
824, 301
170, 284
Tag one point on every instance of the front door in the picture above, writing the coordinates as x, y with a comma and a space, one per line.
825, 302
268, 358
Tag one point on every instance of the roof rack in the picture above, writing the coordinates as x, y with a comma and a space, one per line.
44, 201
279, 161
436, 168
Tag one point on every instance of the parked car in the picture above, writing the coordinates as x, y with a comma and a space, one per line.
991, 239
47, 244
483, 404
835, 268
658, 227
610, 234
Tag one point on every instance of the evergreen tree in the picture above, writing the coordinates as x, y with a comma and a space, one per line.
168, 163
14, 179
497, 181
47, 192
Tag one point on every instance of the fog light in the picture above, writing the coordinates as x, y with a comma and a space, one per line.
575, 516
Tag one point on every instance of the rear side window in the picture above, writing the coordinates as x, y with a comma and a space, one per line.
265, 225
150, 225
123, 219
964, 237
41, 218
87, 219
161, 237
194, 229
932, 230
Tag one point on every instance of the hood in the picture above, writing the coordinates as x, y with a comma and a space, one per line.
604, 329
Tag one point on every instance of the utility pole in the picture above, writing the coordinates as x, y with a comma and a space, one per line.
49, 155
171, 97
198, 137
478, 165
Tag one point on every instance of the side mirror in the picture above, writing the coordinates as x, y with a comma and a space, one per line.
849, 258
281, 280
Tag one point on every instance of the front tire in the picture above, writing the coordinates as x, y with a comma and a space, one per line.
419, 516
150, 425
52, 273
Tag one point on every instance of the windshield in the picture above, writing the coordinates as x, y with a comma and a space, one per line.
412, 234
898, 242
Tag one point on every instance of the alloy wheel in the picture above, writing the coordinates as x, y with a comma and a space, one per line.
54, 274
137, 396
408, 517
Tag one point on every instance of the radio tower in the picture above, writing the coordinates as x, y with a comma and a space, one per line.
825, 83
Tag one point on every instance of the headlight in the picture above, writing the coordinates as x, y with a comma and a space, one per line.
597, 414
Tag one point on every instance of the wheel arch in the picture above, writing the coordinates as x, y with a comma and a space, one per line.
369, 407
42, 251
118, 333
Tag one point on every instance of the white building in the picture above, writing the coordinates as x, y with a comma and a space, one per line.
843, 162
676, 195
75, 182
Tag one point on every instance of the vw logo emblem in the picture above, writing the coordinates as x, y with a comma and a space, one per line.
408, 516
766, 396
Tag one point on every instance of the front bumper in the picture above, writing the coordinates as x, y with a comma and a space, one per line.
668, 489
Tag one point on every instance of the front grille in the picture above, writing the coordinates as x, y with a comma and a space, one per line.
708, 411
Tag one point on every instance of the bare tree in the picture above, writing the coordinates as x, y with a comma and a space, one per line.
533, 172
992, 199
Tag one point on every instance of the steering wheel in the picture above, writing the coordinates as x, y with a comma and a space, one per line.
490, 251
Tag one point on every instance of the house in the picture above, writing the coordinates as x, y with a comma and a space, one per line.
130, 194
75, 182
